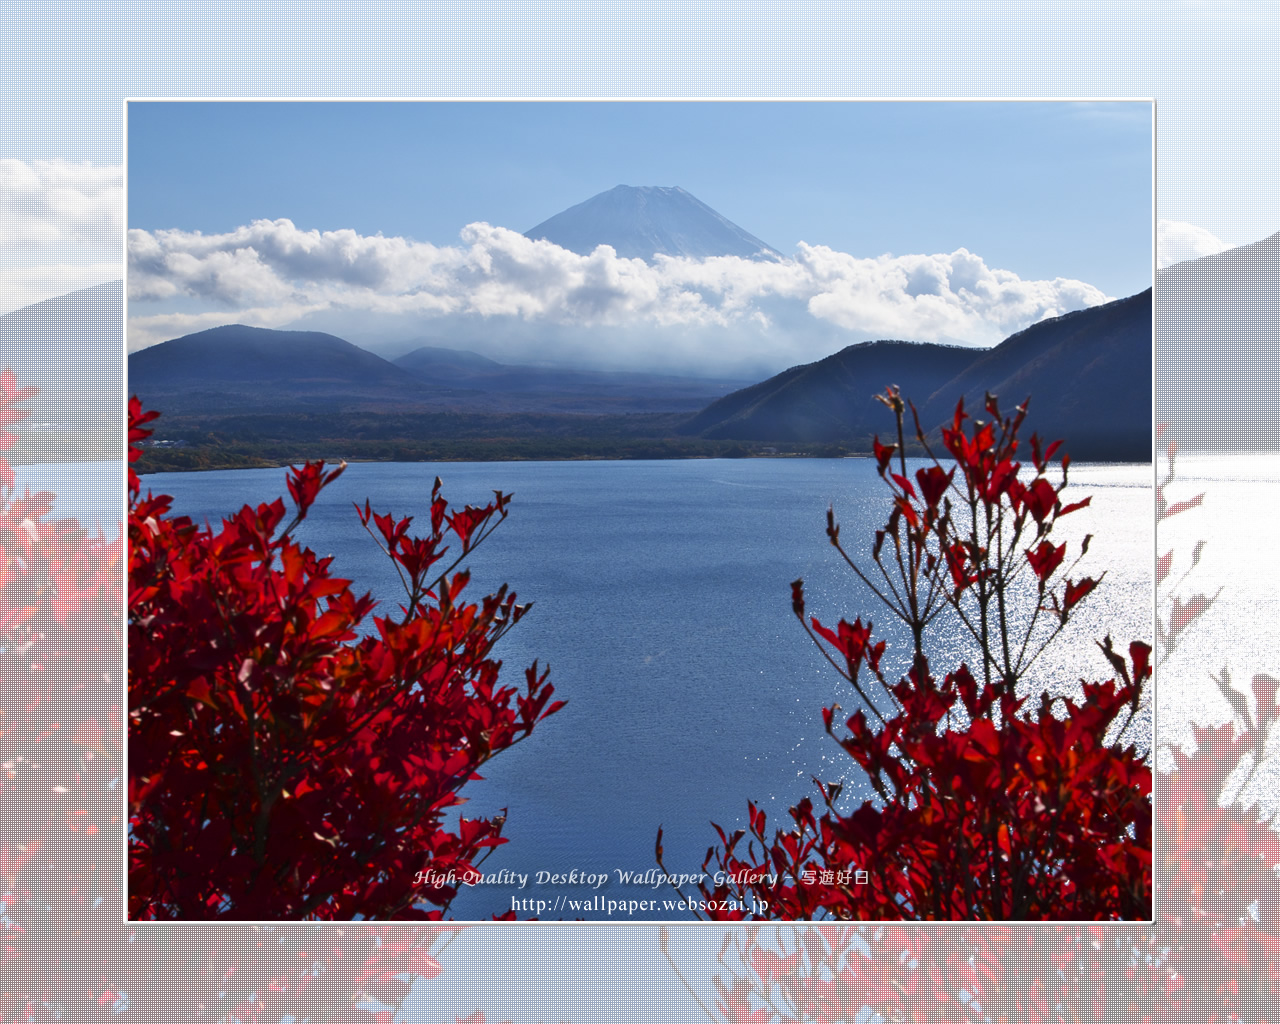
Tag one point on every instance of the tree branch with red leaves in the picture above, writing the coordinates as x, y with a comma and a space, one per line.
987, 805
282, 767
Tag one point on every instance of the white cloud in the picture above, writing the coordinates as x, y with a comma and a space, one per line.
933, 298
1177, 241
26, 285
497, 276
47, 204
60, 228
164, 326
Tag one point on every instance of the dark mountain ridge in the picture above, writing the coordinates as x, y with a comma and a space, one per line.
1088, 374
236, 352
453, 363
240, 367
822, 401
535, 386
257, 370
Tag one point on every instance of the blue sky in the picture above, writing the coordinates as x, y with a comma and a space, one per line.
382, 222
65, 69
1043, 189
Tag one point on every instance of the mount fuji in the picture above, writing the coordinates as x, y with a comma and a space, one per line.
642, 221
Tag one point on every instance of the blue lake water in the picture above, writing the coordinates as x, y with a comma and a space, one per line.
663, 607
90, 492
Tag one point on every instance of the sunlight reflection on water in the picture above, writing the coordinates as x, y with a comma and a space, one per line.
662, 604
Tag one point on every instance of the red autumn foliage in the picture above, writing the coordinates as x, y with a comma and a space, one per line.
282, 767
64, 954
981, 811
60, 643
1210, 956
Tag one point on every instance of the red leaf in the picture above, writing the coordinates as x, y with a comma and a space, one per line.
1045, 559
904, 483
1040, 499
883, 454
1164, 512
957, 564
244, 648
1076, 591
1264, 688
934, 482
1185, 613
1076, 505
1140, 655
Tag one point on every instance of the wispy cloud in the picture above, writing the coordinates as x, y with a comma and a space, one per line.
271, 272
1177, 240
60, 228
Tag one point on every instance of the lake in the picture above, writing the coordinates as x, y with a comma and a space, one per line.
90, 492
663, 607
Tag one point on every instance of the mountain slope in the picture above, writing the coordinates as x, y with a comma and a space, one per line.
1088, 373
256, 370
71, 348
452, 364
641, 221
832, 399
77, 335
1219, 367
252, 367
553, 389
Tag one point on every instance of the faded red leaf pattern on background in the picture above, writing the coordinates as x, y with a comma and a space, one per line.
1206, 959
62, 799
1210, 955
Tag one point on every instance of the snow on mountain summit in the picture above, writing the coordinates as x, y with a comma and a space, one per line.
640, 221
